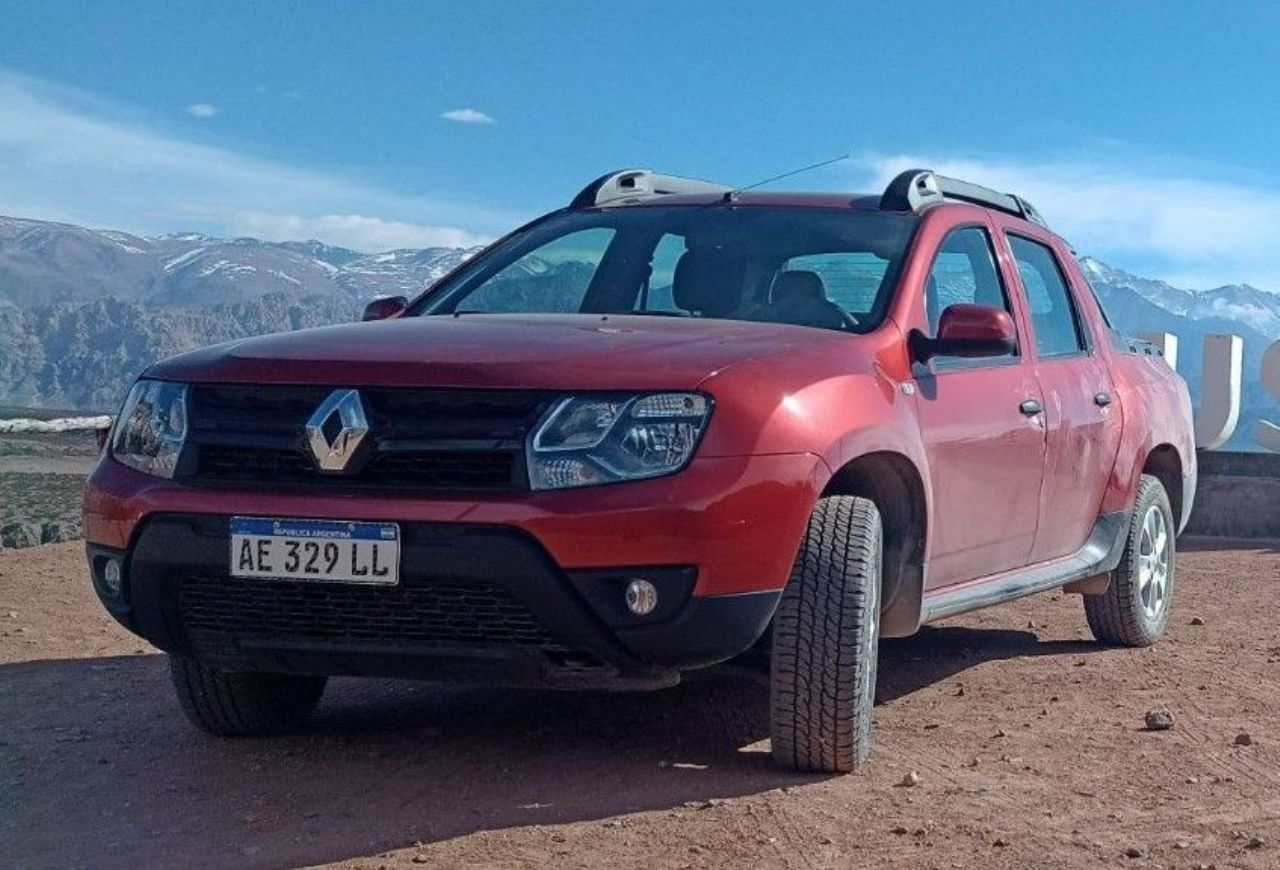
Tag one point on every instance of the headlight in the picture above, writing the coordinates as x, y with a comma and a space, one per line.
586, 440
151, 428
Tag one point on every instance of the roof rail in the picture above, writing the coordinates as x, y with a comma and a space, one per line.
639, 184
916, 188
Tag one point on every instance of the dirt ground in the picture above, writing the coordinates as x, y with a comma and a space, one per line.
1028, 740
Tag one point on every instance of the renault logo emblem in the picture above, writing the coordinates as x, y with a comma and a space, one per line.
336, 429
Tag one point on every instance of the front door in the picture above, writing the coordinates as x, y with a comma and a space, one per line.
985, 446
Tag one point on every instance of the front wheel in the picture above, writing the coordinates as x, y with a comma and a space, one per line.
243, 704
1135, 608
826, 641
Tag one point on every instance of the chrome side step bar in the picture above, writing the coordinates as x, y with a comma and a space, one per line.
1100, 554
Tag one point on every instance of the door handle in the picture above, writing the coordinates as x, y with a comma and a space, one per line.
1030, 407
1102, 399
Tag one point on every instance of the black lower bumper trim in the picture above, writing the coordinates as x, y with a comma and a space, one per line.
707, 631
474, 604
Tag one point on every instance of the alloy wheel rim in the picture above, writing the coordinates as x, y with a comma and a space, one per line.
1154, 549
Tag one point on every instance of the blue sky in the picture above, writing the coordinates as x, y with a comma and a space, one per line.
1147, 133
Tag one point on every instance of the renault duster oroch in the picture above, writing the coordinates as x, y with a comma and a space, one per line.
640, 434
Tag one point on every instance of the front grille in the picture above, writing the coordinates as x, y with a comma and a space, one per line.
462, 470
219, 611
437, 439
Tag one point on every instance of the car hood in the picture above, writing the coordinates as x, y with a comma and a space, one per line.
573, 351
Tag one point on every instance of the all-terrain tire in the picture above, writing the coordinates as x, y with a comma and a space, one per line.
826, 640
243, 704
1134, 610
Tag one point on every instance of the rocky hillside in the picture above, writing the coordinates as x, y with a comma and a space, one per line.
83, 311
84, 355
43, 263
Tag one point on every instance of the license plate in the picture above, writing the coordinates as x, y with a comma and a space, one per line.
317, 550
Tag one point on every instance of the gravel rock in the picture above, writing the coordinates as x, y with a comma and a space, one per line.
1158, 720
1255, 843
911, 779
18, 535
1195, 620
1243, 739
57, 532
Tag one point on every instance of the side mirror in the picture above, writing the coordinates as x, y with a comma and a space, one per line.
966, 330
384, 307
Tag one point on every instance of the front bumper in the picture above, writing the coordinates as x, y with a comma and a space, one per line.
524, 592
739, 520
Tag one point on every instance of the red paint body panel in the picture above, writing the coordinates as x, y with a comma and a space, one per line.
792, 406
732, 517
986, 462
531, 351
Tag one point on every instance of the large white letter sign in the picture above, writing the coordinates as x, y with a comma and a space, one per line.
1268, 433
1168, 344
1219, 390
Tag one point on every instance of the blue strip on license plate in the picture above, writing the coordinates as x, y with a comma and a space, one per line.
319, 529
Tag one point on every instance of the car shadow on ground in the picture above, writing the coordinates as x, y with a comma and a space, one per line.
937, 653
98, 767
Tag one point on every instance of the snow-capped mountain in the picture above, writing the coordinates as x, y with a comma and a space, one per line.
405, 272
1158, 293
1242, 303
43, 262
1257, 309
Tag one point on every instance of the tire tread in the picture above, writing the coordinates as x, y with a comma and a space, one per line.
242, 704
1114, 616
817, 684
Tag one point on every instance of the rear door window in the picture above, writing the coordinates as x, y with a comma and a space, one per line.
1054, 315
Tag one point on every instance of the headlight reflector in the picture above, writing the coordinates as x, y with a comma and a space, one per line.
151, 428
586, 440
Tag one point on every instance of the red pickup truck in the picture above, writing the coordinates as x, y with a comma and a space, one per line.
643, 434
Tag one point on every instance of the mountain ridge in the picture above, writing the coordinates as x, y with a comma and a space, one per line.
45, 262
83, 311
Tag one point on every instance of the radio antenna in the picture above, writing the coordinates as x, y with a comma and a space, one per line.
733, 194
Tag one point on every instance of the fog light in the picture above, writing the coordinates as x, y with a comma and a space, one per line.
111, 576
642, 597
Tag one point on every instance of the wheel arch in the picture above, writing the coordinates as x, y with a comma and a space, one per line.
895, 484
1165, 464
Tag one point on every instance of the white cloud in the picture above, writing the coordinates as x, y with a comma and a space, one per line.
467, 116
69, 156
202, 110
352, 231
1197, 232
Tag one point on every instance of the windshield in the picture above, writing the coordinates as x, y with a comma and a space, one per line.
821, 267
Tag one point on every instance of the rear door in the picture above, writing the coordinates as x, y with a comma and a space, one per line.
1080, 410
985, 453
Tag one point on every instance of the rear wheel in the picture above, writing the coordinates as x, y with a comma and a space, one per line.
243, 704
1135, 608
826, 641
